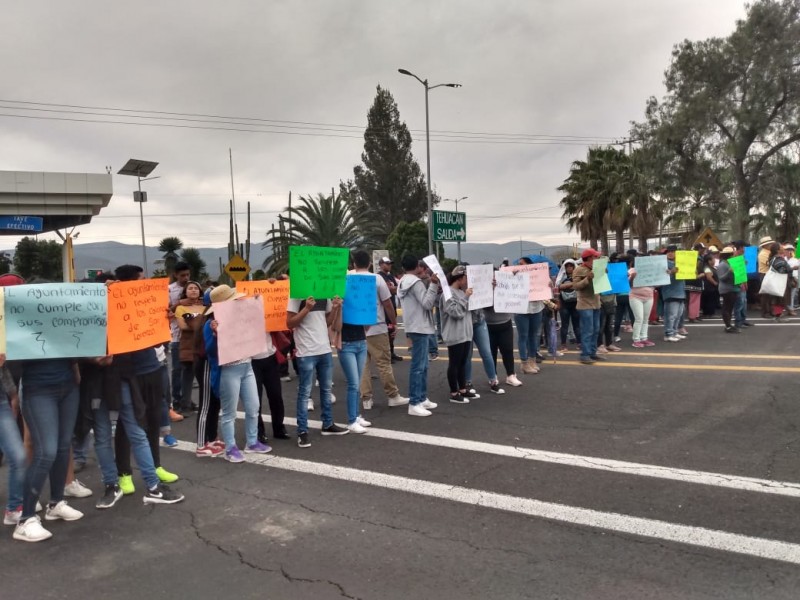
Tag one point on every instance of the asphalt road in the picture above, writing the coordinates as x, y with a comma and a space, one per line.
670, 473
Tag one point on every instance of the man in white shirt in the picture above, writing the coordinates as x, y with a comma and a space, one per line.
378, 341
310, 320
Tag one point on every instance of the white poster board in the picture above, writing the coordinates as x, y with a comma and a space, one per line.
480, 278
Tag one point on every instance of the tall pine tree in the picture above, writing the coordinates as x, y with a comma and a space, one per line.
389, 187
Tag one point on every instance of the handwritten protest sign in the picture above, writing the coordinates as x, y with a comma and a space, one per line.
651, 271
539, 275
739, 268
240, 330
433, 265
618, 277
511, 291
2, 323
317, 271
137, 315
360, 300
686, 263
751, 258
275, 297
480, 278
55, 320
600, 283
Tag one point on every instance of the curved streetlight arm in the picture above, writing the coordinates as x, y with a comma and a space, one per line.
452, 85
410, 74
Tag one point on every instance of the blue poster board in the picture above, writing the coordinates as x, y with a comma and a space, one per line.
55, 320
360, 300
618, 276
751, 258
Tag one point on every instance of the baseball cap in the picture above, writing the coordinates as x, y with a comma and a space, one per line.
459, 271
386, 260
590, 253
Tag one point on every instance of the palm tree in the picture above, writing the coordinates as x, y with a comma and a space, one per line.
170, 246
197, 266
317, 221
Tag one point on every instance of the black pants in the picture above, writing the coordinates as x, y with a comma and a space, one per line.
606, 325
456, 371
267, 372
151, 389
728, 302
569, 312
623, 310
501, 336
208, 411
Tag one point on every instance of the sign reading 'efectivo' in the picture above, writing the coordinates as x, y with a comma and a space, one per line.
449, 226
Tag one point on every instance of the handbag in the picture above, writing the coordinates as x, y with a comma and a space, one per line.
774, 283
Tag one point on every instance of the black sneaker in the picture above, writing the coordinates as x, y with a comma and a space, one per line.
334, 429
747, 324
111, 496
471, 394
303, 441
496, 389
162, 494
732, 330
397, 358
597, 357
459, 399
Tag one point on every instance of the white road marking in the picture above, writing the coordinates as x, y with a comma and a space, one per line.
748, 484
649, 528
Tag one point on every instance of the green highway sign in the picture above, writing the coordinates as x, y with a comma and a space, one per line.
449, 226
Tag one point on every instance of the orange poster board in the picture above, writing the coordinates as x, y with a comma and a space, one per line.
275, 297
137, 315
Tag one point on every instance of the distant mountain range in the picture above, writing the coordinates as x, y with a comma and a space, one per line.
109, 255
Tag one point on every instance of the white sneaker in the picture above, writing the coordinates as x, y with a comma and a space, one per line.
672, 339
63, 511
333, 399
367, 403
39, 507
363, 422
398, 400
417, 410
680, 336
513, 381
356, 428
76, 489
310, 405
286, 378
11, 517
428, 404
31, 530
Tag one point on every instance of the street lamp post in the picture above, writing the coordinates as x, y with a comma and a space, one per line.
428, 88
458, 242
140, 169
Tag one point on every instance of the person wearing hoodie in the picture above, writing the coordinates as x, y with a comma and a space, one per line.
569, 302
417, 302
457, 335
588, 306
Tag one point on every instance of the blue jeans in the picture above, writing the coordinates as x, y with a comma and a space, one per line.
50, 412
166, 424
353, 357
11, 446
529, 330
177, 370
322, 364
238, 381
480, 338
590, 329
104, 444
139, 442
673, 310
418, 373
740, 308
433, 344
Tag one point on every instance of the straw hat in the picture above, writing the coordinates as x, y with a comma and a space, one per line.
221, 293
765, 240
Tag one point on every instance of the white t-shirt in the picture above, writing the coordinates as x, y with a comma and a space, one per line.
175, 292
311, 336
382, 295
794, 262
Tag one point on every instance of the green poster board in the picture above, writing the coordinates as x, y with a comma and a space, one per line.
317, 271
739, 267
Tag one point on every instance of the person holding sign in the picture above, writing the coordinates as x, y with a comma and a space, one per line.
186, 316
588, 306
529, 331
310, 320
457, 335
727, 288
233, 380
674, 296
379, 337
418, 302
641, 299
568, 308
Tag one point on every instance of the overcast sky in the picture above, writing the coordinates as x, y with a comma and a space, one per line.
580, 68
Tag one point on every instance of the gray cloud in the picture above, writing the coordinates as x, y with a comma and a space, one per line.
576, 67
